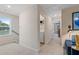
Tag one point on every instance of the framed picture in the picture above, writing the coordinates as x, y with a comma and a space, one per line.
75, 21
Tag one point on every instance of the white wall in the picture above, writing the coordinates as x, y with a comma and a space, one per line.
15, 24
29, 28
48, 27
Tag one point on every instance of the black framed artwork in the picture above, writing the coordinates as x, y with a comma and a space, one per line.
75, 21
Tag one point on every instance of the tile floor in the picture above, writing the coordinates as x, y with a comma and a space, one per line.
15, 49
52, 48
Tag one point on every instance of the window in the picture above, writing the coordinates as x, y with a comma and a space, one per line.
5, 26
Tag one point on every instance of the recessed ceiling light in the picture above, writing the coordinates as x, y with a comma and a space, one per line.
8, 6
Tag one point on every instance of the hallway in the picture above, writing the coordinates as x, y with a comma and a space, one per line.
52, 48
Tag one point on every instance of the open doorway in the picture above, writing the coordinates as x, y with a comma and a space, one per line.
42, 30
57, 29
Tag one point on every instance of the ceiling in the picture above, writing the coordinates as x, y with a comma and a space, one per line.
14, 9
55, 9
